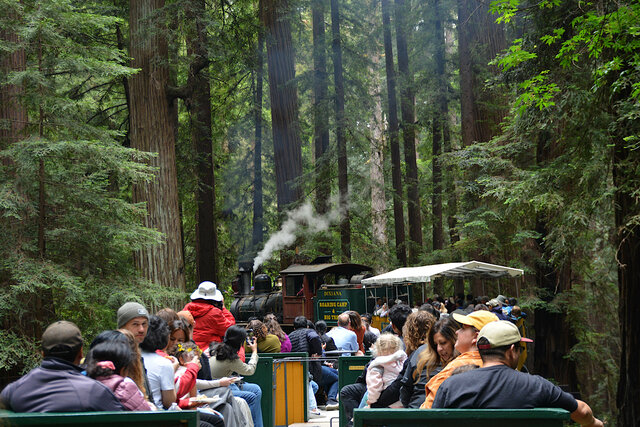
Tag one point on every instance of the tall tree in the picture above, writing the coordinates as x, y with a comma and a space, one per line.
258, 208
320, 113
152, 130
13, 114
396, 170
439, 121
341, 141
284, 101
198, 101
407, 108
378, 201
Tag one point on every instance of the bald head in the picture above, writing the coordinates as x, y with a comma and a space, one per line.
343, 320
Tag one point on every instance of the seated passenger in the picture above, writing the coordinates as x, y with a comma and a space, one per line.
108, 363
465, 344
343, 336
423, 361
497, 385
274, 328
58, 384
224, 361
385, 368
267, 343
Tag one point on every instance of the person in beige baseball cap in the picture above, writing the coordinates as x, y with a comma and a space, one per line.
497, 385
466, 338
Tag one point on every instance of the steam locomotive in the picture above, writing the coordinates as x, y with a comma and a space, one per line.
319, 291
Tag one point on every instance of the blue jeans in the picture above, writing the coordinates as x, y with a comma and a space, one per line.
329, 382
311, 393
252, 394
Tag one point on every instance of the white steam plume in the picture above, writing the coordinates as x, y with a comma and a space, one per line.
304, 216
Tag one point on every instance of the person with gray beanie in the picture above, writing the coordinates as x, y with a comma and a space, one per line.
135, 318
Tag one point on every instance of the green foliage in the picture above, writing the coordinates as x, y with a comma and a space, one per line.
67, 226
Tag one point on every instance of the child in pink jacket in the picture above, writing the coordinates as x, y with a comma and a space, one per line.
107, 363
385, 368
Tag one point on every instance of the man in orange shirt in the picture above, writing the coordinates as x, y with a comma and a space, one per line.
467, 336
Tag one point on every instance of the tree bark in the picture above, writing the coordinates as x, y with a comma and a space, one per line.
199, 105
480, 39
628, 244
13, 114
378, 202
152, 130
284, 102
258, 209
407, 108
438, 122
321, 117
554, 338
341, 142
396, 171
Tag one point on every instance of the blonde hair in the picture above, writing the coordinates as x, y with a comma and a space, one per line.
135, 370
387, 343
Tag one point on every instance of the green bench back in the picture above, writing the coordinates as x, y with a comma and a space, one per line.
349, 369
540, 417
263, 376
102, 419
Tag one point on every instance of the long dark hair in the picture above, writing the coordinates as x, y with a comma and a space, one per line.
116, 352
228, 349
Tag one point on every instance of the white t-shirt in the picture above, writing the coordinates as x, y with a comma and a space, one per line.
160, 374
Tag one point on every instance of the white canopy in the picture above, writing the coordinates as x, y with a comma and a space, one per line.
452, 269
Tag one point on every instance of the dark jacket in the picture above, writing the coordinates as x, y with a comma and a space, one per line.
58, 386
412, 391
306, 340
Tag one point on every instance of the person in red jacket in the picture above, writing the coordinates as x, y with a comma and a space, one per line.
212, 319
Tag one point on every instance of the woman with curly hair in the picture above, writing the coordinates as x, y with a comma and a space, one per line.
267, 343
273, 326
415, 333
437, 352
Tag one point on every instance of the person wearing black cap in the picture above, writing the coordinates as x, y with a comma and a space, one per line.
58, 384
497, 385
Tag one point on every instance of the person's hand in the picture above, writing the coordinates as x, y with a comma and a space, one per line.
174, 363
253, 344
359, 353
193, 405
226, 381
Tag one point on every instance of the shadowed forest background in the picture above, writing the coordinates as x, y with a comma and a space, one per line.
150, 145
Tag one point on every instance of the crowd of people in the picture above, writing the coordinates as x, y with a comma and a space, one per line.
458, 353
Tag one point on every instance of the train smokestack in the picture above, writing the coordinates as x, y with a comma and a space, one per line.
245, 281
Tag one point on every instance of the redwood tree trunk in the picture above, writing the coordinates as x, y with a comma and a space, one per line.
627, 256
438, 129
321, 116
341, 142
199, 103
396, 171
258, 209
407, 108
284, 102
152, 130
13, 115
378, 201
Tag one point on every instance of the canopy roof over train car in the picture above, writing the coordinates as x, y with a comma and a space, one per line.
326, 268
452, 269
